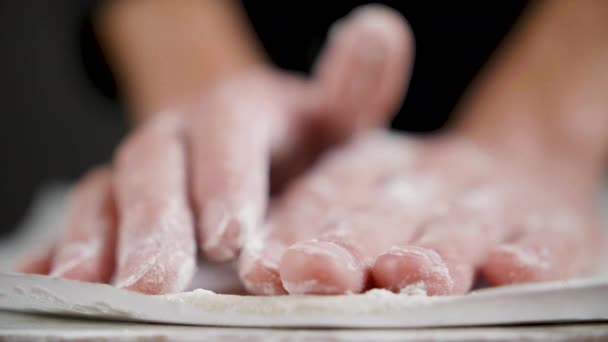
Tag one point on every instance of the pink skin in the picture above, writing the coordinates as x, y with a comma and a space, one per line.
36, 263
393, 212
365, 97
377, 209
341, 230
201, 171
86, 251
156, 246
539, 253
230, 168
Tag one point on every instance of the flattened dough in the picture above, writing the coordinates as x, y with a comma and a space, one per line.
578, 300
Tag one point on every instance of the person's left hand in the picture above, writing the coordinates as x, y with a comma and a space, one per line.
198, 174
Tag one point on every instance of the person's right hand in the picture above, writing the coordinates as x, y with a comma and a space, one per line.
200, 174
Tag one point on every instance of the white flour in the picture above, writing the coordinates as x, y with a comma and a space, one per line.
375, 300
415, 289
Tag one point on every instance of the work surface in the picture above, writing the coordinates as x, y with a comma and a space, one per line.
34, 327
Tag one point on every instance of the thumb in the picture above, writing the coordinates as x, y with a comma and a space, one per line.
364, 69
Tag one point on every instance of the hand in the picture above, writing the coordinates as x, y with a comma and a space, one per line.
509, 191
403, 213
206, 164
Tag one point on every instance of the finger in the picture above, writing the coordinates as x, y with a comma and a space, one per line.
538, 254
364, 71
37, 263
258, 266
86, 251
156, 242
339, 259
442, 261
229, 141
299, 215
450, 246
338, 184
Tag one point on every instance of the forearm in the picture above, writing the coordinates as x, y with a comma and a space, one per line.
545, 92
165, 51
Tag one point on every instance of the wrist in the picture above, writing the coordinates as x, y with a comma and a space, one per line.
533, 135
539, 101
165, 52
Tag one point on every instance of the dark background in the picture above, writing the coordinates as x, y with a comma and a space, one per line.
60, 114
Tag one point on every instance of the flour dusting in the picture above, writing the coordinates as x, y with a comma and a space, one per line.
416, 289
309, 286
